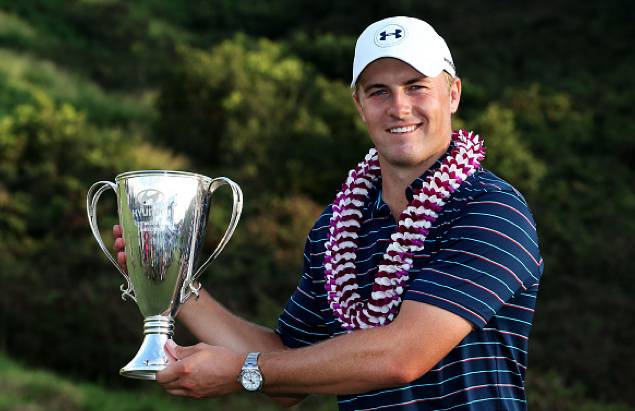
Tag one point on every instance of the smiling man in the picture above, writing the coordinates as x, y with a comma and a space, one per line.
420, 279
408, 116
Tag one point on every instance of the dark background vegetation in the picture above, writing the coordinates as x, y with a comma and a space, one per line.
258, 92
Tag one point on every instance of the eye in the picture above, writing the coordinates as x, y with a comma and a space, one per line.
377, 93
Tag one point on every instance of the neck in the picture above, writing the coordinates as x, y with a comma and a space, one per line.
393, 192
397, 179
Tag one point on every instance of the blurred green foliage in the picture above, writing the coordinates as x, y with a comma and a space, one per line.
247, 107
259, 94
37, 390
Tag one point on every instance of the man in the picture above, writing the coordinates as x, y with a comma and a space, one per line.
420, 279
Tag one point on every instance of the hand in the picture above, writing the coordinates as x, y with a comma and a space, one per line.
120, 246
201, 371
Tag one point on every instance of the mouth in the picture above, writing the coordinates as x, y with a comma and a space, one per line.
405, 129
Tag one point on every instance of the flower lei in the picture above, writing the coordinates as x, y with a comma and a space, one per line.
407, 239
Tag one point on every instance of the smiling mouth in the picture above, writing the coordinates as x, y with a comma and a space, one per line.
408, 129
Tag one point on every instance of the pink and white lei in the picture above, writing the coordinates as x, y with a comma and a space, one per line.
407, 239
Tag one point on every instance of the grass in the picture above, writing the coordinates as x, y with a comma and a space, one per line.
23, 389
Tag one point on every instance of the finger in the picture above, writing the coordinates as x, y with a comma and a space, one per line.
174, 375
120, 245
179, 392
117, 231
168, 376
170, 350
180, 352
122, 258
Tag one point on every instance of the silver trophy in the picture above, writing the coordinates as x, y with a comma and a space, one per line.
163, 215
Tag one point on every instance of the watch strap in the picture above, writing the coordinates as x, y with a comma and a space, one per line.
251, 362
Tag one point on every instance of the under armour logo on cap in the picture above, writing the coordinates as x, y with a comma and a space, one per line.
383, 35
390, 35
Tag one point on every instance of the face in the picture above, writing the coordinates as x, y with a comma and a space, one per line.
408, 115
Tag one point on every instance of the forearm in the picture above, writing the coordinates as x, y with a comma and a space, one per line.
213, 324
366, 360
348, 364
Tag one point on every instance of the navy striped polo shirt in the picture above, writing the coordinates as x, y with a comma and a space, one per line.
480, 261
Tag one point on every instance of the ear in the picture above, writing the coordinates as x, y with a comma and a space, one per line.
455, 95
359, 106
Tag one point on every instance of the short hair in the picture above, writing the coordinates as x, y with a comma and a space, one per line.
450, 80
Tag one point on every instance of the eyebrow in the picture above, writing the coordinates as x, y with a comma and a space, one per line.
405, 83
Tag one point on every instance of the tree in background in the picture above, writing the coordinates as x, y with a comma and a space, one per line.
546, 84
249, 107
58, 295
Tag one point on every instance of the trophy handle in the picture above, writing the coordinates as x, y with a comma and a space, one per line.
236, 212
92, 198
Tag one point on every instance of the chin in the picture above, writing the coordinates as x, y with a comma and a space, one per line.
406, 160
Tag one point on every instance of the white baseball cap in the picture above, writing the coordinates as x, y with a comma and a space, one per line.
408, 39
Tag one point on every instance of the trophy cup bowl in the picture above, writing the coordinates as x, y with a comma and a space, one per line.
164, 216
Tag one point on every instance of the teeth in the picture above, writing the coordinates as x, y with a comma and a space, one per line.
403, 129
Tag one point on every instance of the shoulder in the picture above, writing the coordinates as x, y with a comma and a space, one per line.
484, 191
482, 251
484, 181
488, 213
318, 234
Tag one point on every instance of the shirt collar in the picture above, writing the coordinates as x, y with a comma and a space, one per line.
378, 208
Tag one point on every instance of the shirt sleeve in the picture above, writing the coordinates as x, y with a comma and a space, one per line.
485, 253
302, 323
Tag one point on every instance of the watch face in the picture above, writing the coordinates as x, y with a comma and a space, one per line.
251, 380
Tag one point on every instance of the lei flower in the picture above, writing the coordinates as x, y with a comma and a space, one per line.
407, 239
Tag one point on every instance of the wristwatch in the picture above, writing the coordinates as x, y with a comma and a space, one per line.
250, 377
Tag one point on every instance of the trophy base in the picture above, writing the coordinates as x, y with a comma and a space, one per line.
151, 357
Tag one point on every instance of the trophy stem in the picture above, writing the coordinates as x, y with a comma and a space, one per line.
151, 357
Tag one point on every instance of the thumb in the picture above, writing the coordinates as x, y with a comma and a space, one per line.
173, 351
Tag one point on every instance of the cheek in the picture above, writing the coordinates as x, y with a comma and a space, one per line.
372, 115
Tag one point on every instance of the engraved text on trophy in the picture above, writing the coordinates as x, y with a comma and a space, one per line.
154, 217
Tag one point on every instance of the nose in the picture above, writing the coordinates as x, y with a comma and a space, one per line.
399, 106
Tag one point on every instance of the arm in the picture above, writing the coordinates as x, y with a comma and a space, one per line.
213, 324
357, 362
366, 360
